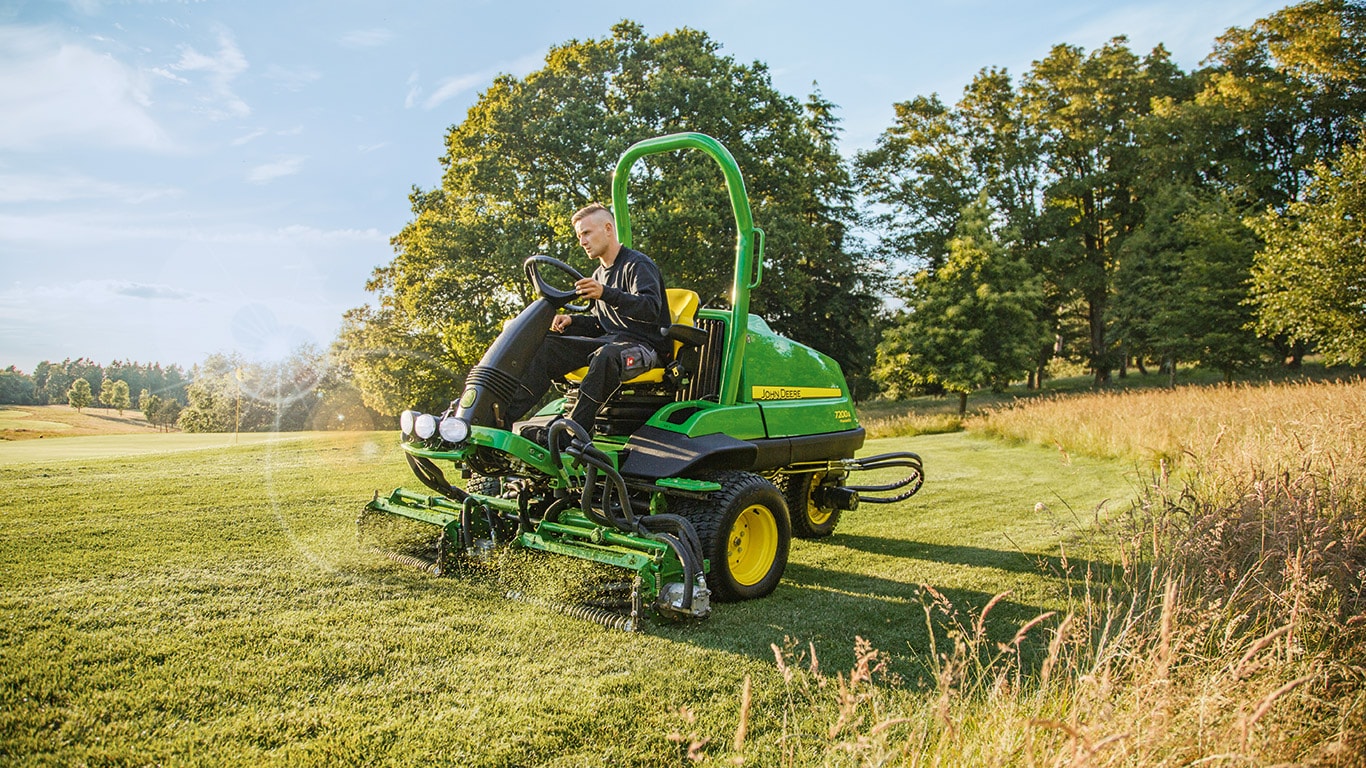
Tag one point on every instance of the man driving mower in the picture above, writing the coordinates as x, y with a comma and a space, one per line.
622, 337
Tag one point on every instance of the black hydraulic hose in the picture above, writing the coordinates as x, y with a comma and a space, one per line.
690, 568
523, 511
887, 461
432, 477
552, 513
682, 527
466, 535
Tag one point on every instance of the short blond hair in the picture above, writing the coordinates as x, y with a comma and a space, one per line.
591, 209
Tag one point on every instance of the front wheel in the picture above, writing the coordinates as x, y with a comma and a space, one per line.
745, 533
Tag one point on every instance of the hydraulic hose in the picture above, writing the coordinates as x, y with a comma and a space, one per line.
887, 461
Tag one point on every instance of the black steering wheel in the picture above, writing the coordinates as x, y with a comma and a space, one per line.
557, 298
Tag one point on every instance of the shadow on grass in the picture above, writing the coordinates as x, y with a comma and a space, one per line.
1006, 560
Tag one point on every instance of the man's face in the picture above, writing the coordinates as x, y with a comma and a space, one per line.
596, 233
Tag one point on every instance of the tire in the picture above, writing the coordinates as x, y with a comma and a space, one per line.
745, 533
808, 520
484, 485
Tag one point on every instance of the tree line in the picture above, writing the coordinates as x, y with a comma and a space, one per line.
1111, 208
1106, 207
224, 393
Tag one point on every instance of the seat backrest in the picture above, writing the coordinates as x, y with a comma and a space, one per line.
683, 305
682, 310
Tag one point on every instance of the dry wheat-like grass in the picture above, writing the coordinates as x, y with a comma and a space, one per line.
1273, 425
1234, 634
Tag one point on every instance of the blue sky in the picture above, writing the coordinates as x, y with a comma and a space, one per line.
184, 178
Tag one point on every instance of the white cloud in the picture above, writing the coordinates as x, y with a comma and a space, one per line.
285, 166
53, 91
35, 188
366, 38
456, 85
219, 70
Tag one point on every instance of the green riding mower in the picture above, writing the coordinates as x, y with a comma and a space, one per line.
698, 473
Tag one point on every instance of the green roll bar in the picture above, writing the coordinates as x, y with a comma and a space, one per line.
747, 260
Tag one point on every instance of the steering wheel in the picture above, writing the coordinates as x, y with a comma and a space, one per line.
557, 298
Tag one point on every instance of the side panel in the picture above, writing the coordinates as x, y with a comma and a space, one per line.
799, 390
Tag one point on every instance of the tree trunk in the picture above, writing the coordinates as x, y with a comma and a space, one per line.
962, 403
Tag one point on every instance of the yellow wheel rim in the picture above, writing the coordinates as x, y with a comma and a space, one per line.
815, 514
752, 545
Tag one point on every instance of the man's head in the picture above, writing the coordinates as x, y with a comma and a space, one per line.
597, 232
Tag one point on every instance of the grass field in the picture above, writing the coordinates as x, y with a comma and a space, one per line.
33, 422
212, 606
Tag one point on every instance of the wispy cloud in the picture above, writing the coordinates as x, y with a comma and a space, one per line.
248, 137
366, 38
285, 166
53, 91
294, 80
455, 85
219, 70
87, 229
98, 291
41, 188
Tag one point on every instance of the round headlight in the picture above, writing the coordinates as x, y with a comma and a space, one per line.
405, 422
424, 426
454, 430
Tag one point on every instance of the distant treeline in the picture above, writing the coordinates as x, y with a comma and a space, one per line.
225, 393
50, 383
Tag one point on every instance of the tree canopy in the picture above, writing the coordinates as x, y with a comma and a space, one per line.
1310, 279
533, 150
1127, 185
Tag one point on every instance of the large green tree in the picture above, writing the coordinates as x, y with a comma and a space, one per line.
532, 150
1310, 279
1086, 109
971, 323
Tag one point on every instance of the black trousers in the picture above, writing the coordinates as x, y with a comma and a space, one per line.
610, 360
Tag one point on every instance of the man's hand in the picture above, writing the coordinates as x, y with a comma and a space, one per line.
588, 288
559, 323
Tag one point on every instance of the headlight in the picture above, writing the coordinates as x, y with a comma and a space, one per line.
405, 422
454, 430
424, 426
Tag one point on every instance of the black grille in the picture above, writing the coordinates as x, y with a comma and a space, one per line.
706, 363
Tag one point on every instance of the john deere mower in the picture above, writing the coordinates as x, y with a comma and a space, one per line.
698, 473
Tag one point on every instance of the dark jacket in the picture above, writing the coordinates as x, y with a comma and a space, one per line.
633, 306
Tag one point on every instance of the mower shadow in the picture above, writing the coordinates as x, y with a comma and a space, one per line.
826, 610
1006, 560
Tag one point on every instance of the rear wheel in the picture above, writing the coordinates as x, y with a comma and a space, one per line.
809, 521
745, 533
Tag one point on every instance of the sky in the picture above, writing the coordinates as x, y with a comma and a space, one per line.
179, 179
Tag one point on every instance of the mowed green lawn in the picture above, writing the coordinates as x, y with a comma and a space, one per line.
212, 606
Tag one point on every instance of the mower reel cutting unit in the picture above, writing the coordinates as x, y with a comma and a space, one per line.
698, 474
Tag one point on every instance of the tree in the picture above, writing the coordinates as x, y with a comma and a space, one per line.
119, 398
1086, 110
1183, 283
148, 403
16, 388
973, 322
1309, 281
533, 150
79, 396
167, 414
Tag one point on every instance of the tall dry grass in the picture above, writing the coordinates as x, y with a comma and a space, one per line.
1232, 631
